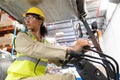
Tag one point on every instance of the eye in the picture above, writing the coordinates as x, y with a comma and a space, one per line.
28, 18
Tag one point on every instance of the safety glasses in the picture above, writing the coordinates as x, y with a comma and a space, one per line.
32, 16
29, 17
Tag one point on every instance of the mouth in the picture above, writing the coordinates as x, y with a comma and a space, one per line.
27, 24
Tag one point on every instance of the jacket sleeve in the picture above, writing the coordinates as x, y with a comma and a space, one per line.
25, 44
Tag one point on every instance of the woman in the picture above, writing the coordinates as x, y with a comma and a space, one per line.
33, 52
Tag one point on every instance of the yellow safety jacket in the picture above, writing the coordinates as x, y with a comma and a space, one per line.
25, 66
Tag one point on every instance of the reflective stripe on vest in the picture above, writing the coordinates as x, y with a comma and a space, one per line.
22, 58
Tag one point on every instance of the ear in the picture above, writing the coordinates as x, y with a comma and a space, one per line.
40, 21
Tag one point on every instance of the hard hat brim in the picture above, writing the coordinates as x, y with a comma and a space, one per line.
24, 15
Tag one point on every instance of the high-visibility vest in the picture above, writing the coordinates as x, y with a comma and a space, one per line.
25, 66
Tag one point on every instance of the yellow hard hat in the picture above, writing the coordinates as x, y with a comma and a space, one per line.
37, 11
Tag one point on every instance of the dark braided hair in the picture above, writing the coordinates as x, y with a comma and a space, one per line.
43, 30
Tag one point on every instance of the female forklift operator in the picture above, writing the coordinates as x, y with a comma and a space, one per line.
32, 49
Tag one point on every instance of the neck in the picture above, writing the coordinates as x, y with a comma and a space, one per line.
36, 33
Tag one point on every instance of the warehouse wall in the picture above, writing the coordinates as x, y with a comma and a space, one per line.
111, 37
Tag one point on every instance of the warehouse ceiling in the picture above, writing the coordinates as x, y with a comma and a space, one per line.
55, 10
61, 15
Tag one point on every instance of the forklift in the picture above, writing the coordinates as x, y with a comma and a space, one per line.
82, 62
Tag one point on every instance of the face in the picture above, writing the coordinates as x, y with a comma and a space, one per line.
32, 23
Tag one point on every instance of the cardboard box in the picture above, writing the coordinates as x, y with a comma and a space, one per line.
6, 40
7, 23
5, 20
